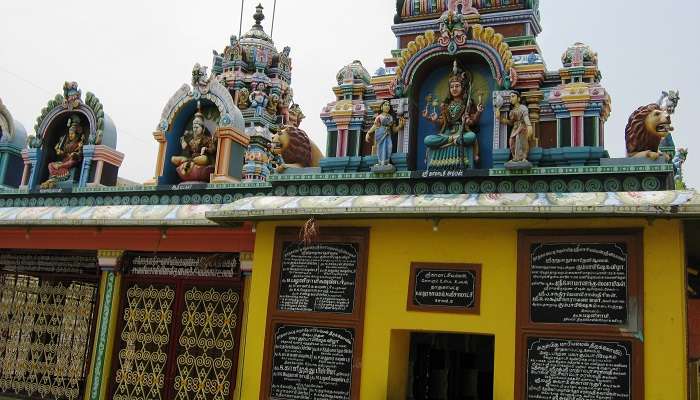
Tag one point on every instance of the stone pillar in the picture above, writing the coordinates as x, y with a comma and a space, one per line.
98, 173
229, 155
533, 98
88, 154
160, 160
105, 334
31, 158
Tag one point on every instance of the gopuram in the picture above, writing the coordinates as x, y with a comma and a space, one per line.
463, 235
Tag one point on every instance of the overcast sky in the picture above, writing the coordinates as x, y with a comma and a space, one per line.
134, 54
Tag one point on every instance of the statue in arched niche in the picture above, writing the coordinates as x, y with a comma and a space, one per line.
196, 162
69, 154
455, 146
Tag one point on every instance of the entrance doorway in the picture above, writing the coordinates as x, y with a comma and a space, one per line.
450, 367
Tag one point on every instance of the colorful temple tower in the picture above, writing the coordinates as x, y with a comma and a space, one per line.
466, 237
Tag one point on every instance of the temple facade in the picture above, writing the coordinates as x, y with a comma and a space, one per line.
463, 235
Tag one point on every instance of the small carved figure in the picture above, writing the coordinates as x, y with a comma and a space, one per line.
273, 104
258, 99
195, 163
286, 102
295, 115
69, 153
385, 125
242, 96
458, 114
521, 135
199, 78
645, 129
285, 63
72, 95
678, 161
669, 101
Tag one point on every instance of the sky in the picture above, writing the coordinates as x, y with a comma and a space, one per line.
134, 54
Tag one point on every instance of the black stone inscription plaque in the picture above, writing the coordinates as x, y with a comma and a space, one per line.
579, 283
312, 363
318, 278
444, 288
44, 262
578, 369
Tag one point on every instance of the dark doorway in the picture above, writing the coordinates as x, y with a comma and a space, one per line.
450, 367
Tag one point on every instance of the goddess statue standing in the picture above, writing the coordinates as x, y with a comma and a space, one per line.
385, 125
456, 145
521, 135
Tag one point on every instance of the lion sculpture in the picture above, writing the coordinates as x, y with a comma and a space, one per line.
646, 127
295, 148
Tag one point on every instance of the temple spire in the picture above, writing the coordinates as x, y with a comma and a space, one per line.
258, 16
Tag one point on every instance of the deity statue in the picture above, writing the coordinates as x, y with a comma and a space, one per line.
195, 163
273, 103
69, 154
521, 135
242, 96
285, 103
385, 125
295, 115
455, 145
258, 99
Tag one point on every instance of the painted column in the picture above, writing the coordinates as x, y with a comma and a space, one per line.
31, 158
98, 172
533, 98
577, 131
105, 333
341, 146
88, 154
160, 160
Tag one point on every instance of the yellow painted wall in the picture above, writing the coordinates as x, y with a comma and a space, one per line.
394, 244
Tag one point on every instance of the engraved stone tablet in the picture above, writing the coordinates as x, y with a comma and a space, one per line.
318, 278
312, 363
578, 369
579, 283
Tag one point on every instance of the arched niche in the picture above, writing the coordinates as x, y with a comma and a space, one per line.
181, 122
53, 128
430, 76
101, 161
224, 121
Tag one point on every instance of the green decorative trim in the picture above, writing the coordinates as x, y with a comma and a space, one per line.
338, 176
586, 170
53, 103
631, 184
98, 371
651, 183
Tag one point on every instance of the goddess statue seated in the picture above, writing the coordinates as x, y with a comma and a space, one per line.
455, 146
195, 163
69, 154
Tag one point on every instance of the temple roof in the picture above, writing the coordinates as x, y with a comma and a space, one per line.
662, 204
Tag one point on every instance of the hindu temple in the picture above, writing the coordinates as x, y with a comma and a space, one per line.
462, 234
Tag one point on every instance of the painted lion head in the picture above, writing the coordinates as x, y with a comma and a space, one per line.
645, 129
293, 145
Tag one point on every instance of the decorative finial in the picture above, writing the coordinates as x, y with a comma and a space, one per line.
258, 16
